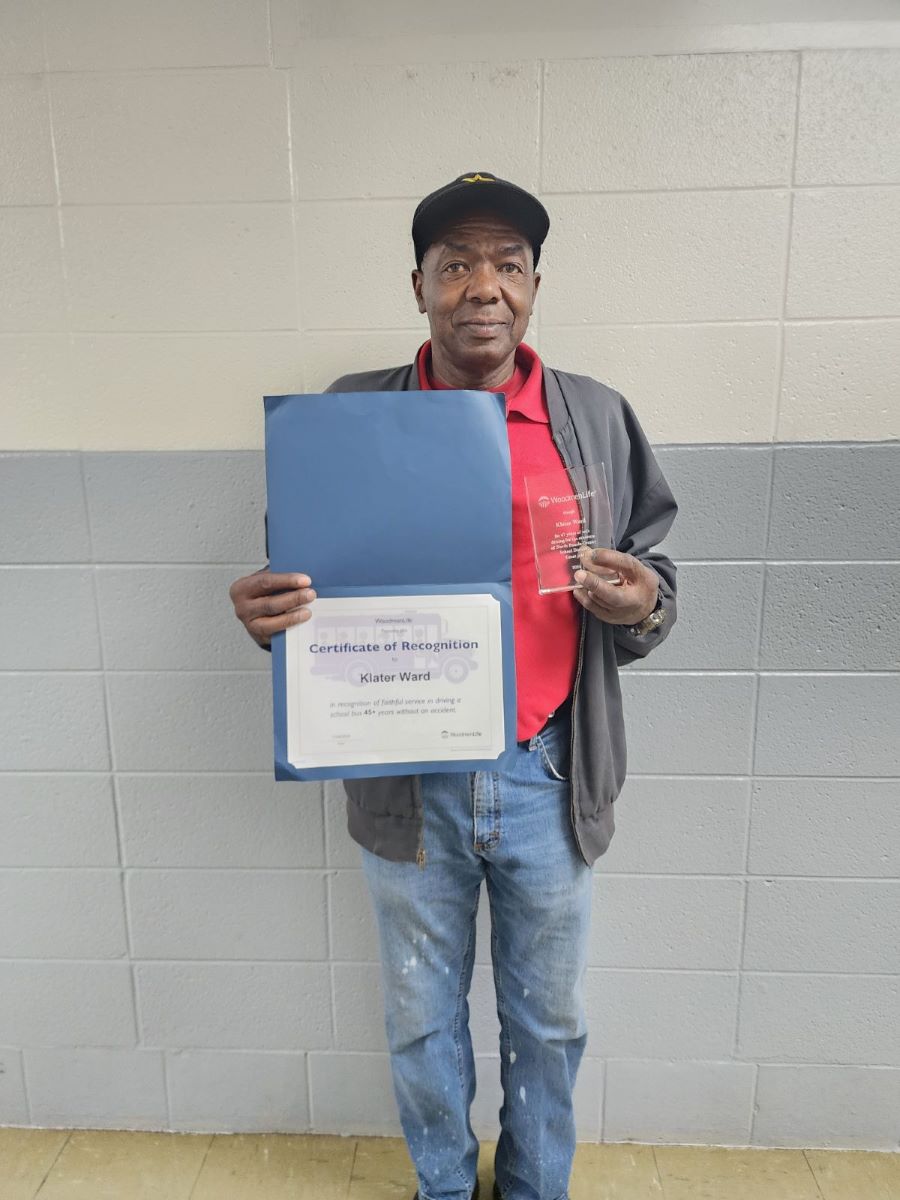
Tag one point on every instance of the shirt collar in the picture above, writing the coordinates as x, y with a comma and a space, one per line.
527, 397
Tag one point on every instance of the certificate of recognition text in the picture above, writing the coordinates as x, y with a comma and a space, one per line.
399, 678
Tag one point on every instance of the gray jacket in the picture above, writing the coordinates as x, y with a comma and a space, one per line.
590, 423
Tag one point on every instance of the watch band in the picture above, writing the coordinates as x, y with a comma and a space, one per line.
651, 621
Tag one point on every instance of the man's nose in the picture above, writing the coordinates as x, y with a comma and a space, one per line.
484, 284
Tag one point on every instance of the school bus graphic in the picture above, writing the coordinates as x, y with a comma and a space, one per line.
362, 630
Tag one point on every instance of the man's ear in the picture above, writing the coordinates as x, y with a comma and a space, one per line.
537, 284
417, 281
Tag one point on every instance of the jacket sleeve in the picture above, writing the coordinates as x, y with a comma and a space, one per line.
266, 528
648, 517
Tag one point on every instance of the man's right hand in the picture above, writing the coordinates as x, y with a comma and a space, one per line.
267, 603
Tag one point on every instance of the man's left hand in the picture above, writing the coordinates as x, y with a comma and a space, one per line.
624, 603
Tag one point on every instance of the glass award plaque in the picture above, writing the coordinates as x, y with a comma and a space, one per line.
569, 509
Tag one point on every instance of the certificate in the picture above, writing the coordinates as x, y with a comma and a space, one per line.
395, 679
398, 505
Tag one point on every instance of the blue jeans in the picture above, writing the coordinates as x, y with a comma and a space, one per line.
513, 830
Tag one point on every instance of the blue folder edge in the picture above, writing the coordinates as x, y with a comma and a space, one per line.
285, 771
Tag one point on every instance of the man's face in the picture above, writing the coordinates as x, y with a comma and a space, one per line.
477, 285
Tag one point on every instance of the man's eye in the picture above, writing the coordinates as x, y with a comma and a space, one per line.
510, 267
455, 267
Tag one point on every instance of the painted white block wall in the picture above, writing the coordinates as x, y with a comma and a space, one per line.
185, 226
203, 203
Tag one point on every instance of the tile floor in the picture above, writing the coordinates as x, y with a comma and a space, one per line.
46, 1164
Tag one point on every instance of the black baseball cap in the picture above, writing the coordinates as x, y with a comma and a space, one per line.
476, 191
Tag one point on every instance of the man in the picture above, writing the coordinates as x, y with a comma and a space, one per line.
533, 831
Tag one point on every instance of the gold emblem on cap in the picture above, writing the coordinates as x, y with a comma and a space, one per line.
478, 179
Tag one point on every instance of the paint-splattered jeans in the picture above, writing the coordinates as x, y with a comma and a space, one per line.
513, 830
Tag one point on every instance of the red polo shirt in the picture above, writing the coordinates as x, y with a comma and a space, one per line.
546, 627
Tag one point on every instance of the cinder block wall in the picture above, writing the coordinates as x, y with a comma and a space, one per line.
201, 209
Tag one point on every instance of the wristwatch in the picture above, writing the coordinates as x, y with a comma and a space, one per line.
652, 621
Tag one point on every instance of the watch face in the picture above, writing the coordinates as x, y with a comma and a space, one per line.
653, 621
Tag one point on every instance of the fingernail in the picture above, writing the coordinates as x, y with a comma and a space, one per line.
581, 576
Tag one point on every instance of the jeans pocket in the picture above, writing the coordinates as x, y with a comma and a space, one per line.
555, 750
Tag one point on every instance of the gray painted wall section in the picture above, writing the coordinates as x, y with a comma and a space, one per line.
187, 945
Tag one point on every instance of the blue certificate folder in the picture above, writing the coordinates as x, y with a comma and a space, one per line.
391, 494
